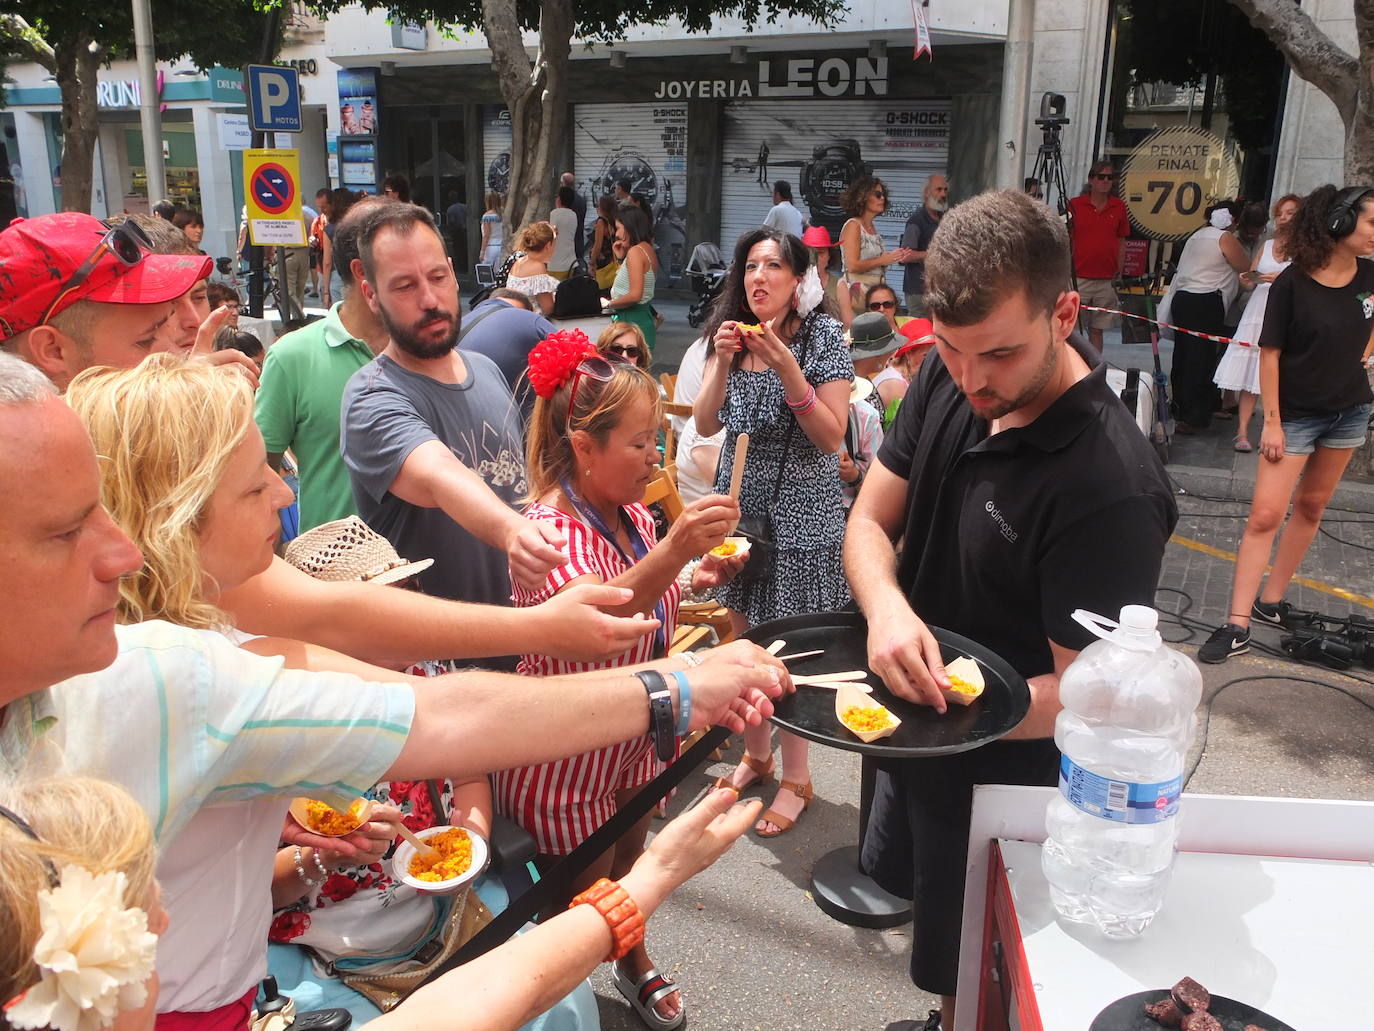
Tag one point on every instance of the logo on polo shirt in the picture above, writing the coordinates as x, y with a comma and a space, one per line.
1002, 524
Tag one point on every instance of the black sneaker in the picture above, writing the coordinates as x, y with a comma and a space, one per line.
1226, 640
1275, 614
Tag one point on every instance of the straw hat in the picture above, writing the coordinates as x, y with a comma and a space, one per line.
349, 549
859, 389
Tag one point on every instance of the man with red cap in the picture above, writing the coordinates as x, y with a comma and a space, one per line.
76, 293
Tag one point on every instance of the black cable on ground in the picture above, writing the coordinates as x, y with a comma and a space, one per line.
1183, 492
1341, 540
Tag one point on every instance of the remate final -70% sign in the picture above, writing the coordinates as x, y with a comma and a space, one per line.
1170, 179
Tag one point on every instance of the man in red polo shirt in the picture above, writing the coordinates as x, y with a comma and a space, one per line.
1099, 228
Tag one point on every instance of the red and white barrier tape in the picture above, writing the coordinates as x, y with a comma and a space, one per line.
1168, 325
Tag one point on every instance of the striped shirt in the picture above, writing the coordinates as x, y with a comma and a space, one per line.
561, 803
188, 724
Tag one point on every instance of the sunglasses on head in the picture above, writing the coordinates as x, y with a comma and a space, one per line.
597, 367
126, 241
880, 305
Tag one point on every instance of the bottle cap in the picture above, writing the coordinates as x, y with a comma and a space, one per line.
1137, 627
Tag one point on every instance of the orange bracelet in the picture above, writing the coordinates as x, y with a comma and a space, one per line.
621, 913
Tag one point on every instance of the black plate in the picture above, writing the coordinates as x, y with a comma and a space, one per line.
810, 713
1128, 1014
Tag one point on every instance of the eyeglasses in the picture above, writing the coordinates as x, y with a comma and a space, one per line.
601, 369
880, 305
126, 241
880, 194
1103, 175
624, 350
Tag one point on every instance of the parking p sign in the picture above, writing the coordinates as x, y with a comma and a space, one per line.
274, 98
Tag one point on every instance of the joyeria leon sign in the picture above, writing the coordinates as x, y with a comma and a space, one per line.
797, 77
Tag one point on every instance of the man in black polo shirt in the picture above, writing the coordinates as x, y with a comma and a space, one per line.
1022, 490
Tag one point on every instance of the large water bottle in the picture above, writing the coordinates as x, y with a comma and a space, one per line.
1127, 723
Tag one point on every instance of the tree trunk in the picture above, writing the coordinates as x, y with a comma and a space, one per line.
77, 63
535, 92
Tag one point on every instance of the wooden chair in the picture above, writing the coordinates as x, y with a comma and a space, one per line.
671, 409
663, 490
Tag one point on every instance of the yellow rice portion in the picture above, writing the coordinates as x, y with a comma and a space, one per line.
326, 819
866, 718
452, 857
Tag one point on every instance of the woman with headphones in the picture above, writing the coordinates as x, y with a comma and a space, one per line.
1316, 344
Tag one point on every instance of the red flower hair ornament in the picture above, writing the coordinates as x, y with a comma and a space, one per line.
554, 359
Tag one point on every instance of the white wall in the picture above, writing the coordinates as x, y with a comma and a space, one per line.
1312, 146
1070, 37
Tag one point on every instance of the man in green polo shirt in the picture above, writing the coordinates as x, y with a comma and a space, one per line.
303, 381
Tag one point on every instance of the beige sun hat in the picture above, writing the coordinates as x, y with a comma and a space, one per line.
349, 549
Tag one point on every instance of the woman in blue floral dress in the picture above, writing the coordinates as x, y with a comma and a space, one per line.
779, 359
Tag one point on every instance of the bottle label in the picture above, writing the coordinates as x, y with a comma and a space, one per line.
1119, 801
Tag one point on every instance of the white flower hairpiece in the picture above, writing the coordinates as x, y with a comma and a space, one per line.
809, 292
93, 955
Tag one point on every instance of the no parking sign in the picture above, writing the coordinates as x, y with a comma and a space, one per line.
271, 188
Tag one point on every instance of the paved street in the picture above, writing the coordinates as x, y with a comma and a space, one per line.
752, 950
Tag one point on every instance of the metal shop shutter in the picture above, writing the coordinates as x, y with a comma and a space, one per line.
820, 146
646, 144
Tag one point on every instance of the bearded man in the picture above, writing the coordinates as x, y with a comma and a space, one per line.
431, 435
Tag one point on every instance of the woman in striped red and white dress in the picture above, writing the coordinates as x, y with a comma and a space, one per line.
591, 452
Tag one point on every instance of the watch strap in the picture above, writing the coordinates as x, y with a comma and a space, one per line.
660, 713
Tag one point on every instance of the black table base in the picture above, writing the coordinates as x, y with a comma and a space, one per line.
846, 895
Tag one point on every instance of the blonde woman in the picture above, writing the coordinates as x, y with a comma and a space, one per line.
69, 842
625, 341
590, 455
530, 273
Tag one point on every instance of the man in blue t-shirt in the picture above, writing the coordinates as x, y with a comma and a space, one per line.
505, 329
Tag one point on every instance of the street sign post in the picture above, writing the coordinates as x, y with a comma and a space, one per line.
272, 191
274, 98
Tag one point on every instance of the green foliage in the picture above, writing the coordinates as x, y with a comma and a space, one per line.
210, 32
1183, 41
606, 20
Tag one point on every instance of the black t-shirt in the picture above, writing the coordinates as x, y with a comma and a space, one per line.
1007, 535
1321, 333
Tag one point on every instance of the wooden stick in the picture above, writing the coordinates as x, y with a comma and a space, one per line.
737, 470
801, 655
409, 836
835, 685
848, 675
776, 647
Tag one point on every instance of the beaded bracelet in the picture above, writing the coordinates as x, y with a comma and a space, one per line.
300, 870
620, 912
319, 865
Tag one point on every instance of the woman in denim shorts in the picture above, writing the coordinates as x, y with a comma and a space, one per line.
1315, 347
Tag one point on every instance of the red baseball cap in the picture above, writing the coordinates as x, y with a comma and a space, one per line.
38, 257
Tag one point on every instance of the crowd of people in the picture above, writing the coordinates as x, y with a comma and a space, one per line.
474, 545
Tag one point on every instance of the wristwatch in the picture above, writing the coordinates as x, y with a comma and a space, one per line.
660, 713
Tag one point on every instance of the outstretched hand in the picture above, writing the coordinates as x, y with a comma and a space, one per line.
575, 627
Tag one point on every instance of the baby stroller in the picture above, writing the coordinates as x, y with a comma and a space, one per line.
706, 275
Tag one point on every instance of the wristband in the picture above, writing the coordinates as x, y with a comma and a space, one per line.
620, 912
684, 703
691, 658
660, 713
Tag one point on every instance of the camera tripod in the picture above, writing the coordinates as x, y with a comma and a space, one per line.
1049, 169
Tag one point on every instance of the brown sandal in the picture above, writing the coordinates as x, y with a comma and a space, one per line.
763, 769
803, 791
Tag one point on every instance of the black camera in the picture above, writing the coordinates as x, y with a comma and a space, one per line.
1334, 643
1052, 108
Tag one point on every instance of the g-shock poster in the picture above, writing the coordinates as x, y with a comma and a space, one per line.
646, 144
820, 147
